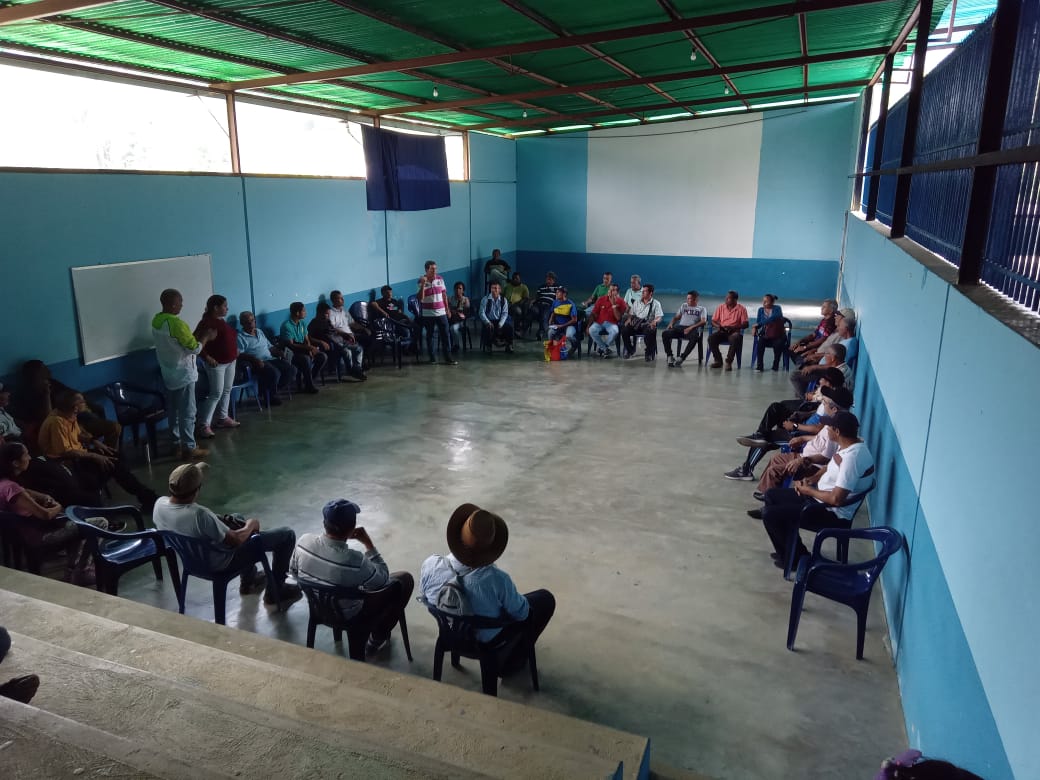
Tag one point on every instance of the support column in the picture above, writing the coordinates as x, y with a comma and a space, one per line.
864, 134
232, 124
913, 113
991, 132
879, 138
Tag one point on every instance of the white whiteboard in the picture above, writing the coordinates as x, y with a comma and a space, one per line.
686, 189
115, 303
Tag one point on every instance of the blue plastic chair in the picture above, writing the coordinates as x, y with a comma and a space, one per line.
244, 382
323, 602
383, 334
842, 545
456, 635
786, 348
136, 406
117, 553
195, 558
846, 583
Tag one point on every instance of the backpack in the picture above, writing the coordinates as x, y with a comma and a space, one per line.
451, 599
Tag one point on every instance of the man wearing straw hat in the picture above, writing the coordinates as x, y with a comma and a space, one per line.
476, 539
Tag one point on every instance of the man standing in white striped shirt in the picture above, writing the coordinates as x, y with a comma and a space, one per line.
328, 559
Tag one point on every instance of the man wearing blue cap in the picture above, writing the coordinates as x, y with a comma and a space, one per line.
328, 559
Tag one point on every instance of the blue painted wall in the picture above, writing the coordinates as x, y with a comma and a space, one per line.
803, 191
799, 215
948, 399
273, 240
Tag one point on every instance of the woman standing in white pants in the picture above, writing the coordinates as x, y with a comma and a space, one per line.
220, 355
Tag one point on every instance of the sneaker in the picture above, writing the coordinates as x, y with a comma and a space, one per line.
21, 688
607, 354
375, 646
755, 439
739, 473
758, 495
759, 368
287, 594
253, 583
206, 432
432, 360
755, 514
627, 355
679, 362
227, 422
649, 357
671, 362
450, 361
729, 365
717, 364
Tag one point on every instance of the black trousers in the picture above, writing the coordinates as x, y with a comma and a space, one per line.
541, 607
308, 368
644, 329
92, 476
382, 609
735, 340
778, 345
679, 333
441, 324
495, 331
785, 511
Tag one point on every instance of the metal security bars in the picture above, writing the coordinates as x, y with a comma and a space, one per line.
975, 186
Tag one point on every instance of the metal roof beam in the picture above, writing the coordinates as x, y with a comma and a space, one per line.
747, 67
29, 11
803, 41
573, 118
699, 45
384, 18
899, 42
530, 47
559, 31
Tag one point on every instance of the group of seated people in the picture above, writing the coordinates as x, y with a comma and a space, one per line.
818, 478
343, 556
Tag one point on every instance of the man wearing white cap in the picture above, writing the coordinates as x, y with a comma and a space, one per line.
477, 538
180, 514
328, 559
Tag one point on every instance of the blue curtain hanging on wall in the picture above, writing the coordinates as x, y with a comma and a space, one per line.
405, 172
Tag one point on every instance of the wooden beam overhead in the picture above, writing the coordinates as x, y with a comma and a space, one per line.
747, 67
530, 47
44, 8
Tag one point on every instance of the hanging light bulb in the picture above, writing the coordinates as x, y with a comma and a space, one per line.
435, 92
693, 55
725, 91
525, 113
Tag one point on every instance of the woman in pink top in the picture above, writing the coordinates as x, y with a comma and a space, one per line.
40, 524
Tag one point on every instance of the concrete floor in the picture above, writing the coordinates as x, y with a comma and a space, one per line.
671, 620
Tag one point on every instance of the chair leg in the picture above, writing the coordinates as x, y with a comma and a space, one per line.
337, 635
797, 600
489, 675
157, 568
404, 635
438, 660
219, 601
312, 628
182, 591
861, 627
532, 661
356, 638
456, 660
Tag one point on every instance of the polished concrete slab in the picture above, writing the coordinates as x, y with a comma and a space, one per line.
671, 621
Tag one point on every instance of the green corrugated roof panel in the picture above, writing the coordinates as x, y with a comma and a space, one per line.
81, 42
784, 78
340, 94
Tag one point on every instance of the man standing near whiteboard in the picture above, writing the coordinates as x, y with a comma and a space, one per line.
176, 348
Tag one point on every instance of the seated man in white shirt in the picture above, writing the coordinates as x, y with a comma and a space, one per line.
269, 366
641, 320
819, 501
328, 559
349, 327
477, 538
180, 514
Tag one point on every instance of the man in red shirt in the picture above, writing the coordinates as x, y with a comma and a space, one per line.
729, 322
606, 314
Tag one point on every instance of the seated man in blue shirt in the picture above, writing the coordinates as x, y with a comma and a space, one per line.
272, 371
563, 319
494, 317
477, 538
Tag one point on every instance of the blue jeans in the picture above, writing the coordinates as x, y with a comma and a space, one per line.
182, 415
603, 334
439, 322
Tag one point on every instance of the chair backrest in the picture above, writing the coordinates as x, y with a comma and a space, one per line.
129, 400
413, 307
857, 498
859, 576
325, 602
459, 632
359, 311
196, 554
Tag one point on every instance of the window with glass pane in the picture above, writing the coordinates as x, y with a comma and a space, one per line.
67, 121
